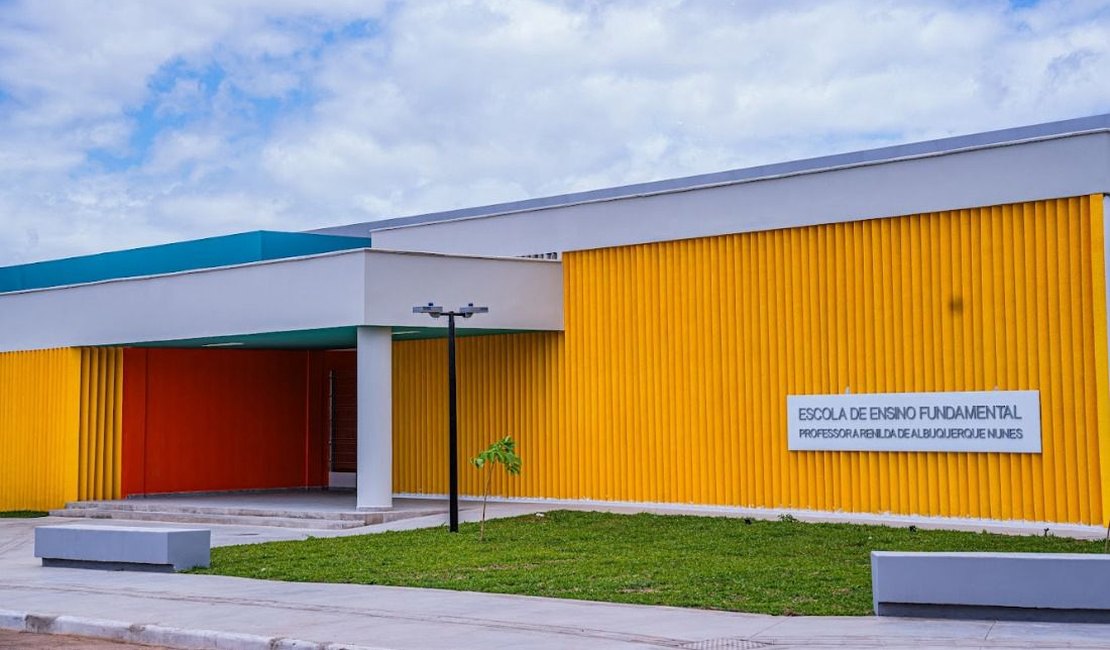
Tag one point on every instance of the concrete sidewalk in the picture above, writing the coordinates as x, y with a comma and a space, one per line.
401, 618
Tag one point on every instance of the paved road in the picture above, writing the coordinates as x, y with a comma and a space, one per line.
23, 640
403, 618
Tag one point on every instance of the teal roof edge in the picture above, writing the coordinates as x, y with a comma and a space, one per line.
227, 250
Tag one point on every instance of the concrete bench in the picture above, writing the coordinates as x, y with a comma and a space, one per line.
1003, 586
123, 547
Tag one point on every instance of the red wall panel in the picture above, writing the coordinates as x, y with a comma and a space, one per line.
133, 476
205, 419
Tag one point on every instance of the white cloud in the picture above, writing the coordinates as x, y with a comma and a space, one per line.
132, 122
183, 151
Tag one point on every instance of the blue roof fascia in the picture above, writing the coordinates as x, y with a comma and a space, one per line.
227, 250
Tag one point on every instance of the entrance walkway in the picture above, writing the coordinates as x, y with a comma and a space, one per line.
402, 618
309, 509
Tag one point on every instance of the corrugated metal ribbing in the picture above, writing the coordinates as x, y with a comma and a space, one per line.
680, 356
39, 394
671, 382
99, 447
1101, 343
508, 385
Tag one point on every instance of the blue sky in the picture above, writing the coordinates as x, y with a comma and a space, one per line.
131, 122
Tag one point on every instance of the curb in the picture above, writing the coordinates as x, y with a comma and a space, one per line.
172, 637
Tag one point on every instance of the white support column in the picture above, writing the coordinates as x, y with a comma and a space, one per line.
375, 418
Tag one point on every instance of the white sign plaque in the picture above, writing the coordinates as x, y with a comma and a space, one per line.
998, 421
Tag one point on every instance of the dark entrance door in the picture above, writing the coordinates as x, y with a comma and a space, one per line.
342, 412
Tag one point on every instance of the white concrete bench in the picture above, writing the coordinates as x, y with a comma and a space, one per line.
1002, 586
123, 547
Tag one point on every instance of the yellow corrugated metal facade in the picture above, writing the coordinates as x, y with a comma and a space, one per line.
99, 449
59, 426
670, 382
508, 384
38, 428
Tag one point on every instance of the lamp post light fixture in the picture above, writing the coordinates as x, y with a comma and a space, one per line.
435, 311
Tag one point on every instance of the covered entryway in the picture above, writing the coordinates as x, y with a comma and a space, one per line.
239, 378
214, 418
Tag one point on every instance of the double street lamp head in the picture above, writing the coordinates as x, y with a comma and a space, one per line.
435, 311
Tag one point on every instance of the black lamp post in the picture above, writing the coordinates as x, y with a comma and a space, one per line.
436, 311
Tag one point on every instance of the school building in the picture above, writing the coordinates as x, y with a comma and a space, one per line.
918, 329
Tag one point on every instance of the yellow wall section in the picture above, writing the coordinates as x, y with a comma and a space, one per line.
38, 428
99, 450
508, 385
1102, 344
671, 382
59, 427
980, 299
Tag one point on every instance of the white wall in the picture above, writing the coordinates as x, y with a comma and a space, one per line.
1065, 166
521, 294
342, 289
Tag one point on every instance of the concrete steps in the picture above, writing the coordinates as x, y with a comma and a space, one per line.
314, 519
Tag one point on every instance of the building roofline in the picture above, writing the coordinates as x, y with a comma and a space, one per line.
358, 250
160, 259
929, 148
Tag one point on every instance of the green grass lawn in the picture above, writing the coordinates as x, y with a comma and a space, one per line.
21, 514
772, 567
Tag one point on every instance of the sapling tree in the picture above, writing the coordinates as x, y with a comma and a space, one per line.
502, 452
